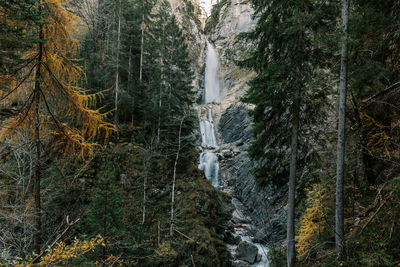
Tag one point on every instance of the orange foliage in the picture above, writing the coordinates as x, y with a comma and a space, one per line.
66, 113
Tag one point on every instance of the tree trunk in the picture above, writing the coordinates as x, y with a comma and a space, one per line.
117, 74
37, 175
130, 79
291, 252
171, 230
162, 84
144, 198
146, 166
141, 48
104, 252
339, 229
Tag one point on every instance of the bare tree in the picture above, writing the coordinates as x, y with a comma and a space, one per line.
16, 213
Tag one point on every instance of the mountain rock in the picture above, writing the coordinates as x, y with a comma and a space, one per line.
247, 252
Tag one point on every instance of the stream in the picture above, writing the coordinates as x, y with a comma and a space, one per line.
209, 163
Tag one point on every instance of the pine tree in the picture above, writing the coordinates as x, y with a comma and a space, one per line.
178, 95
105, 212
287, 98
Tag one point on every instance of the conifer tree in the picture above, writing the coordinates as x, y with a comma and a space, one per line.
104, 213
177, 95
286, 97
56, 108
17, 21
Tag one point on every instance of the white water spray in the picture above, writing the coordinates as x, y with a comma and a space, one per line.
209, 161
212, 81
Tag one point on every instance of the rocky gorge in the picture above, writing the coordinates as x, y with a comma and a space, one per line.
259, 216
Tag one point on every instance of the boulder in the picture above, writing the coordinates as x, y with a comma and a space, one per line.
247, 252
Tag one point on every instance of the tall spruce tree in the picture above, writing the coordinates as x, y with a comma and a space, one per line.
104, 214
287, 98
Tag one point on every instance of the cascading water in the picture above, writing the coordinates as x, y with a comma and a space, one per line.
212, 81
209, 161
207, 131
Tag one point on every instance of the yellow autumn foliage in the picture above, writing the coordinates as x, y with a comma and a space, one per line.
61, 253
378, 140
66, 109
311, 223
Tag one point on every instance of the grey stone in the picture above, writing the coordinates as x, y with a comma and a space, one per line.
247, 252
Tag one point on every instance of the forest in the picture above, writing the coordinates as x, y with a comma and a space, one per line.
100, 104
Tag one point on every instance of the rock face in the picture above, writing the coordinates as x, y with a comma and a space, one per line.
247, 252
263, 208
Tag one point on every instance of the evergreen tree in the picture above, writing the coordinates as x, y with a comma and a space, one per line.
104, 214
17, 21
282, 65
178, 94
287, 57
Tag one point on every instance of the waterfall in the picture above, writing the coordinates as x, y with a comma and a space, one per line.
207, 132
209, 161
212, 81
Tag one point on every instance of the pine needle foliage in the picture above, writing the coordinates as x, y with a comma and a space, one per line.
290, 41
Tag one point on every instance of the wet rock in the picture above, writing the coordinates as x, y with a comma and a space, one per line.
247, 252
239, 263
258, 258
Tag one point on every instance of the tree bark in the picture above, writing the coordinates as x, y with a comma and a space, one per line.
141, 46
130, 79
117, 74
37, 173
339, 219
291, 252
171, 230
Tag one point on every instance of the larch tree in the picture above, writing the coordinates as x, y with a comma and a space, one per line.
56, 109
